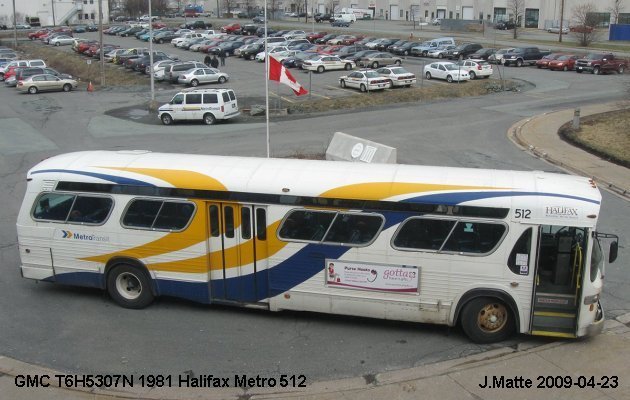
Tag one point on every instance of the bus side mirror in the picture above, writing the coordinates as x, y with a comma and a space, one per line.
612, 254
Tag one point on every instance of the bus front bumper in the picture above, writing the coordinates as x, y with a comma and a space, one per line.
598, 325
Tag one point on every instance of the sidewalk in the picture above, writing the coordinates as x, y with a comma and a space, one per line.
538, 135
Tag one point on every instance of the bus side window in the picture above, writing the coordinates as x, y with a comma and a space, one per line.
474, 237
519, 256
306, 225
358, 229
174, 216
89, 209
53, 206
422, 233
141, 213
261, 224
246, 223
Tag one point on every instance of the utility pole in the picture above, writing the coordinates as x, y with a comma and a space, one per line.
100, 38
52, 5
561, 20
14, 27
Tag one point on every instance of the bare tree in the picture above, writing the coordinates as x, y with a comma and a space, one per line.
517, 10
586, 20
136, 8
615, 10
159, 7
229, 6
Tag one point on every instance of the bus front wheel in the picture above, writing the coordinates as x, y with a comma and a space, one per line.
129, 287
487, 320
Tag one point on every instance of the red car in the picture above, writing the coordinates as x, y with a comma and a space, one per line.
351, 40
83, 46
312, 37
158, 25
544, 62
231, 28
38, 34
329, 49
565, 62
581, 29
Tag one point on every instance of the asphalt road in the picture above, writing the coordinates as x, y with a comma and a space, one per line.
81, 330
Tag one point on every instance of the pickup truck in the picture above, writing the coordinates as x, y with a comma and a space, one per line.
523, 55
598, 63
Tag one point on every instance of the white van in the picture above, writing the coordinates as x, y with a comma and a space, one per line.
207, 105
345, 17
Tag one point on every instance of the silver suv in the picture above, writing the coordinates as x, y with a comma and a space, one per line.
173, 71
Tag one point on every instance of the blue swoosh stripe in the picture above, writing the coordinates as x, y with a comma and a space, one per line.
452, 199
112, 178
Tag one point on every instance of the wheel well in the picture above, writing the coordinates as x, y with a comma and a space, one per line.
114, 262
492, 293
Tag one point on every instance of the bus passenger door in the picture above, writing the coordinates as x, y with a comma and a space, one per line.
558, 279
233, 245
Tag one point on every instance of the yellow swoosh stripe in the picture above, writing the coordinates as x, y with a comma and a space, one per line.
384, 190
168, 243
244, 252
178, 178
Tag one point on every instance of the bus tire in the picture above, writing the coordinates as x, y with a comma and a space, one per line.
487, 320
129, 286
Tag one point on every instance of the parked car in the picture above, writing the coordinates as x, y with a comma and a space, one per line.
497, 57
197, 76
441, 51
556, 29
348, 51
319, 17
324, 63
340, 23
363, 53
599, 63
226, 48
61, 40
404, 49
380, 59
524, 55
544, 62
482, 54
249, 29
172, 71
312, 37
565, 62
445, 70
476, 68
581, 29
164, 37
464, 50
297, 60
208, 105
364, 80
343, 39
249, 51
45, 82
505, 25
397, 76
230, 28
324, 39
261, 56
258, 20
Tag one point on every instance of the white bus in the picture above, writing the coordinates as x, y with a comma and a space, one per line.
494, 251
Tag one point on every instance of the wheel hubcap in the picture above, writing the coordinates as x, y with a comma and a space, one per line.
492, 318
128, 286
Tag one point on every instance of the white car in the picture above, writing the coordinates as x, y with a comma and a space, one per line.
476, 68
158, 65
294, 35
497, 57
61, 40
197, 76
446, 70
109, 57
327, 62
556, 29
178, 41
282, 55
364, 80
278, 49
397, 76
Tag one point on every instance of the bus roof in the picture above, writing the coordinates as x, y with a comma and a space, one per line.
330, 179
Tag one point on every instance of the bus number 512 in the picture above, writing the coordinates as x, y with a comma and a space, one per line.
522, 213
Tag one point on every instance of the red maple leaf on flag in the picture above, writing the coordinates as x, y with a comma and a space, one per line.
279, 73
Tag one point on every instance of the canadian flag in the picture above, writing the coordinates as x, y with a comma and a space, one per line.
277, 72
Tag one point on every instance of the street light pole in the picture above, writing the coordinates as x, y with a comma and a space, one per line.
52, 5
151, 54
100, 38
561, 22
14, 27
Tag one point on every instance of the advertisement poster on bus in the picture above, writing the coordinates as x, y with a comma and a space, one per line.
377, 277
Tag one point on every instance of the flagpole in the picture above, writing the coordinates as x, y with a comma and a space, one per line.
267, 85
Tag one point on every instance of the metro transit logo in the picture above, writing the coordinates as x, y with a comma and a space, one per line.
66, 234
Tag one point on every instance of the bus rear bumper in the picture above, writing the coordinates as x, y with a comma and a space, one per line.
598, 325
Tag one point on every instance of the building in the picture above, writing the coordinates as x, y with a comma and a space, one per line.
53, 12
536, 14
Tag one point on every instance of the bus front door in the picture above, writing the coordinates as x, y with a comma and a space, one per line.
559, 272
234, 245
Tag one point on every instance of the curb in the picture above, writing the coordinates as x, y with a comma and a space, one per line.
515, 134
339, 388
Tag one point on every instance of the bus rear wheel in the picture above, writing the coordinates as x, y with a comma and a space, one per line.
129, 287
487, 320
